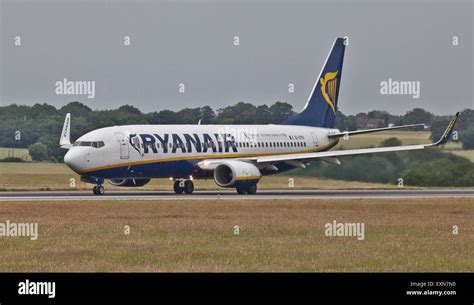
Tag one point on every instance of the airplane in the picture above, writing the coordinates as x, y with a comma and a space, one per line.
235, 156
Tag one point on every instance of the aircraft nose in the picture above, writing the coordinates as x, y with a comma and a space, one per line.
73, 159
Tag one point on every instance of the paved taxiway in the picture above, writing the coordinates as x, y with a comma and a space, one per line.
231, 194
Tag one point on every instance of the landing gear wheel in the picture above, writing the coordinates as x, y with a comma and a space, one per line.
241, 190
98, 190
178, 189
188, 187
252, 190
244, 190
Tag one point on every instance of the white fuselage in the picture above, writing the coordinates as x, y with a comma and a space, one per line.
158, 151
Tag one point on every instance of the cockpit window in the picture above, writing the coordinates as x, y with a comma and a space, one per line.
95, 144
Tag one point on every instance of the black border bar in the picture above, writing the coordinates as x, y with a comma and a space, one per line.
327, 285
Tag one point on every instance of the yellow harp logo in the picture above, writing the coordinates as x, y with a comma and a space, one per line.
329, 89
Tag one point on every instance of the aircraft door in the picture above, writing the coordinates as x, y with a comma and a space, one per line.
315, 139
124, 147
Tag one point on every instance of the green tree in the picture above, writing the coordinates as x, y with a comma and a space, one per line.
76, 108
280, 112
393, 141
467, 137
351, 123
416, 116
264, 115
38, 151
207, 115
241, 113
438, 127
454, 171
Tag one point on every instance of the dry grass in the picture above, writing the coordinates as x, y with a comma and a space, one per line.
55, 176
277, 235
469, 154
21, 153
374, 139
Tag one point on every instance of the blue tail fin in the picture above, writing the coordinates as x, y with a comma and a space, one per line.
321, 108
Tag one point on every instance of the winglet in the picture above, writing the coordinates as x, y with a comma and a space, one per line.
449, 130
64, 141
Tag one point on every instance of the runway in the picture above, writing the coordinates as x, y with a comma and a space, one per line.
232, 195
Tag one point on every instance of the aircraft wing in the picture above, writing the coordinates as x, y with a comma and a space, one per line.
351, 152
211, 164
358, 132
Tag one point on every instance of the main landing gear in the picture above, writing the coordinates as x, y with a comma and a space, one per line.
183, 186
98, 189
250, 190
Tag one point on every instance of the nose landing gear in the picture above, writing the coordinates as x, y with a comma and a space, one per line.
183, 186
98, 189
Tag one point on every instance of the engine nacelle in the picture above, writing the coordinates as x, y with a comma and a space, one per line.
129, 182
236, 173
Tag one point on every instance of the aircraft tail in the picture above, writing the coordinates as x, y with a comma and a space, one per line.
321, 108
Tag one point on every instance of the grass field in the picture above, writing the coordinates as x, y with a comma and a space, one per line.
21, 153
374, 139
56, 176
410, 235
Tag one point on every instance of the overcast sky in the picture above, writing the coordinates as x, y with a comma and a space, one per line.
192, 42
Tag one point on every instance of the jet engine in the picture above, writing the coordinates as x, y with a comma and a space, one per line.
129, 182
236, 173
